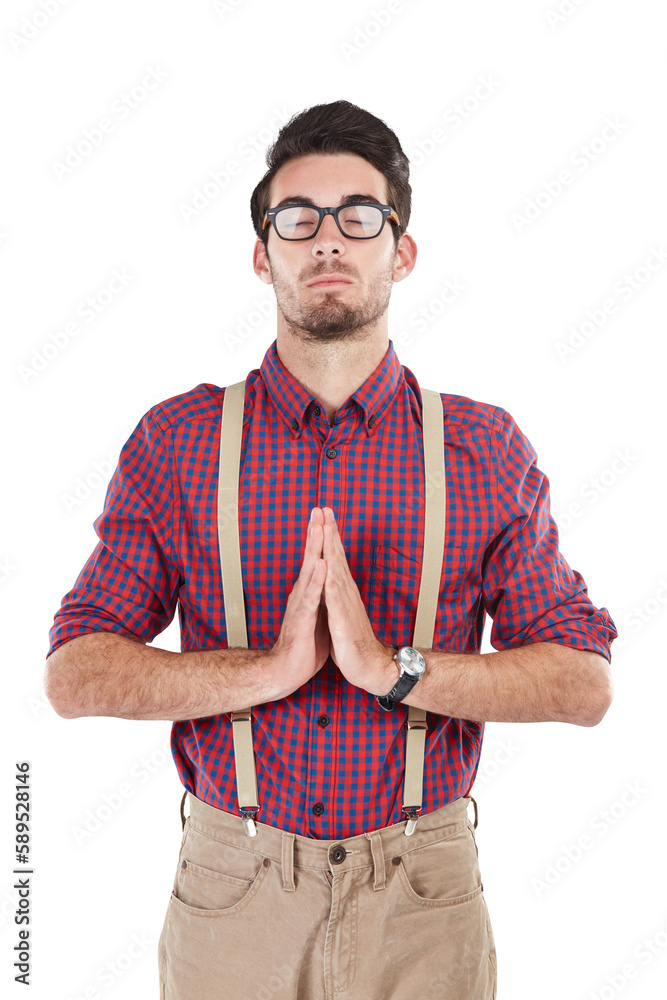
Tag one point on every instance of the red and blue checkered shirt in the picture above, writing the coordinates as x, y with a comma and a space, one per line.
329, 744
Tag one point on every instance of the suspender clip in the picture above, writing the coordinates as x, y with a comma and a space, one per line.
248, 814
416, 724
412, 815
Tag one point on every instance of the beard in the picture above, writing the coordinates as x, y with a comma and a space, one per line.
330, 318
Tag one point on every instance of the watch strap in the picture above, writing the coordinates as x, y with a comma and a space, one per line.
403, 686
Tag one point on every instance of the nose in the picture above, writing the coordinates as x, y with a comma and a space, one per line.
329, 239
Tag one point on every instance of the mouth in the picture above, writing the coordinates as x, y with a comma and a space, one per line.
329, 281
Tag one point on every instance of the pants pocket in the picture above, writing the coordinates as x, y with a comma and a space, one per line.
213, 877
442, 874
205, 889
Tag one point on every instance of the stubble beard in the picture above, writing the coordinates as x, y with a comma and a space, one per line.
330, 319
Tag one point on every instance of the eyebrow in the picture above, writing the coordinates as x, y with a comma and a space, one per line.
349, 199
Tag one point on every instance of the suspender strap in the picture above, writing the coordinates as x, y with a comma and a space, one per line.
429, 590
232, 588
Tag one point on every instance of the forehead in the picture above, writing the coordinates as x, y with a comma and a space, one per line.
327, 178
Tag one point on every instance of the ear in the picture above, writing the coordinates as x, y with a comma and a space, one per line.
260, 262
406, 257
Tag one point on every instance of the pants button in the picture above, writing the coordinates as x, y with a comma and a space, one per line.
337, 854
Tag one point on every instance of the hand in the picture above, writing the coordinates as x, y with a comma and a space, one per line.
361, 657
304, 643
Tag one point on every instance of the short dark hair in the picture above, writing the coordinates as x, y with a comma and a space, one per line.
340, 127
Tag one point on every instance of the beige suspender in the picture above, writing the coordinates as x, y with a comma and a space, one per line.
429, 590
232, 587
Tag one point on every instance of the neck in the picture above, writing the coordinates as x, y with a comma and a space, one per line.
331, 371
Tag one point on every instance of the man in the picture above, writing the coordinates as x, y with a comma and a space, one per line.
299, 535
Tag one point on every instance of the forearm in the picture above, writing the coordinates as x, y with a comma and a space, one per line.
543, 682
103, 673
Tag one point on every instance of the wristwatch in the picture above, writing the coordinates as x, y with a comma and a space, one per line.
412, 666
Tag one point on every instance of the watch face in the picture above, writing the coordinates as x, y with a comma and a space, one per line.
412, 661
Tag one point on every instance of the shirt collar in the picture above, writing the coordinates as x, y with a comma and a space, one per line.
292, 400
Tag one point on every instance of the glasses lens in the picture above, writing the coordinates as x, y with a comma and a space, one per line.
360, 220
297, 223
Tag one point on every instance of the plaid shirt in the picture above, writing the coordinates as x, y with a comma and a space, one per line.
329, 760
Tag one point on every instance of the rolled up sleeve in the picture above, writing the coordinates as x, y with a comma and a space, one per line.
529, 590
130, 583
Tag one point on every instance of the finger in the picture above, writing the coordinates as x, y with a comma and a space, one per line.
328, 516
315, 588
334, 552
328, 550
312, 549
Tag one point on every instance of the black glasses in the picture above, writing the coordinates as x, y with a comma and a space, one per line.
357, 222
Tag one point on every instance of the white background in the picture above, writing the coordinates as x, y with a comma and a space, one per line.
225, 76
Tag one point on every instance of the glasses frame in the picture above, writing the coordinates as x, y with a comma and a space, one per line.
387, 213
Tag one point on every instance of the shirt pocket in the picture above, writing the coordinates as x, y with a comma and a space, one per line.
393, 592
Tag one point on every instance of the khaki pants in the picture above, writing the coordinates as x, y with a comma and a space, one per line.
371, 917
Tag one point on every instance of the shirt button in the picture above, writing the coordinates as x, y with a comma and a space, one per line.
323, 721
371, 421
295, 425
318, 808
331, 452
316, 411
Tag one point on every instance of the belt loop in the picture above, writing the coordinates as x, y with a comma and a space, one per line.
288, 861
475, 805
378, 860
183, 811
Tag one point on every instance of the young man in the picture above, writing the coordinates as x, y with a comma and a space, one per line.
334, 541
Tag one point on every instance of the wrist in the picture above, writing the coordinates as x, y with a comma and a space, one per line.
389, 673
411, 667
271, 675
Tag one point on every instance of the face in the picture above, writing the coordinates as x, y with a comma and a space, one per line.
331, 287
